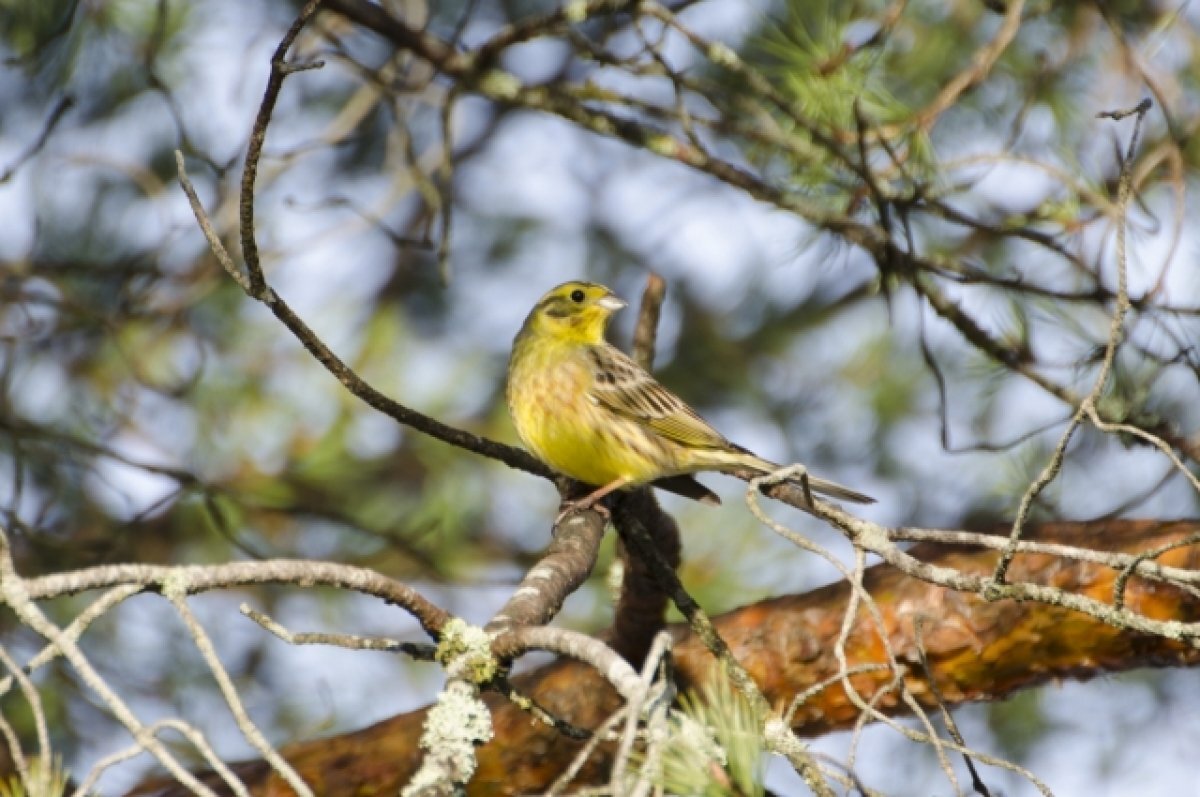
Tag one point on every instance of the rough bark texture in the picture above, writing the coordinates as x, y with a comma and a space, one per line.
641, 610
977, 651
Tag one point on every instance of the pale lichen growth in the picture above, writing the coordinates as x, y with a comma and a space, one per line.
175, 585
662, 144
778, 735
500, 85
722, 55
456, 724
466, 650
521, 701
699, 738
1173, 629
575, 11
614, 580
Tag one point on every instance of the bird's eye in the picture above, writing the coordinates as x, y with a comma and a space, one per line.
577, 296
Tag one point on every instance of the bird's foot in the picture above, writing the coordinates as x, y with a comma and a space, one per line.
591, 501
582, 505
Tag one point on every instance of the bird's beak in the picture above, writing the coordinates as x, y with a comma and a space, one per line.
611, 303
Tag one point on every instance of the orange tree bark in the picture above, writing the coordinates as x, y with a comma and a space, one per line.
977, 650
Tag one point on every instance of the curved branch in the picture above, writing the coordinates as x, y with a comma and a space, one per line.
258, 135
193, 579
513, 457
574, 645
981, 64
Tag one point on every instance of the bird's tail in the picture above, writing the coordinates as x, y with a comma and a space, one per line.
817, 485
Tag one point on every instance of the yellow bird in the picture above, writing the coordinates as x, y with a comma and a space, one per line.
590, 412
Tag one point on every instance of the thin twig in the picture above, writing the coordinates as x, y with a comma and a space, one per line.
177, 595
1177, 576
645, 334
94, 611
601, 734
513, 457
659, 648
504, 686
16, 596
34, 700
194, 737
825, 683
64, 104
258, 134
1052, 468
415, 650
445, 193
1122, 580
19, 762
939, 698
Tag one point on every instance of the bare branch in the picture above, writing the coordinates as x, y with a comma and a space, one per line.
35, 706
513, 457
17, 597
566, 564
646, 332
636, 703
421, 652
194, 737
176, 593
204, 578
1051, 469
64, 104
258, 134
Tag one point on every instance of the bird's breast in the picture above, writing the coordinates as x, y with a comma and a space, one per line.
562, 425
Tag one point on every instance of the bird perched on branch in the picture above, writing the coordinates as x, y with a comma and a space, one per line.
590, 412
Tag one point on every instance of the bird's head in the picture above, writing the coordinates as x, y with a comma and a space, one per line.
574, 311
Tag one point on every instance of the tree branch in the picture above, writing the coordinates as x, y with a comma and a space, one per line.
566, 564
977, 650
193, 579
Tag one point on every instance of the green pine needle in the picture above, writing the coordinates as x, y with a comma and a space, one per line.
47, 778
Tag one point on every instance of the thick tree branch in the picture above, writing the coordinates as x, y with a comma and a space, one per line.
566, 564
640, 612
977, 650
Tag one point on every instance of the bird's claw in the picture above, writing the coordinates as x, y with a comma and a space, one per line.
582, 505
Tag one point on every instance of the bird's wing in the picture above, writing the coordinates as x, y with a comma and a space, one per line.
624, 387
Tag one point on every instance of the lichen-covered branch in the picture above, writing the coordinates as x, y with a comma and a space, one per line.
977, 650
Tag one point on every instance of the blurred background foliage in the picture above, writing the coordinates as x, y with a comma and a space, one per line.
150, 412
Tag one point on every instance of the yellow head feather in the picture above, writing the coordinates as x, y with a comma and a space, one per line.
574, 312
